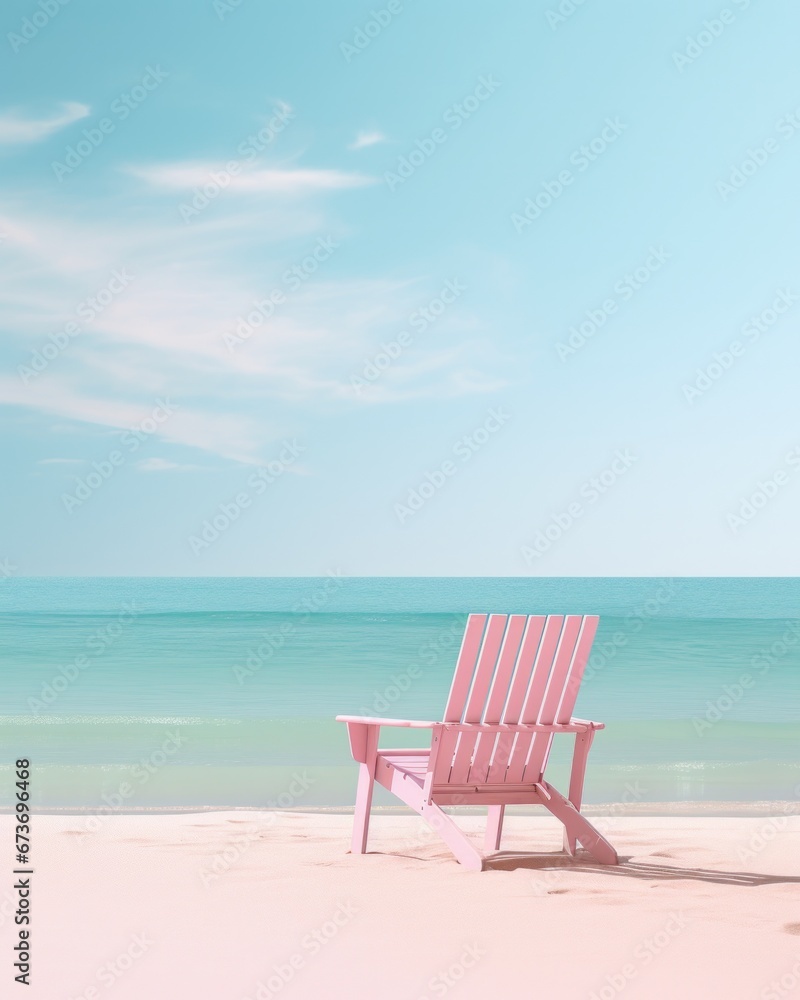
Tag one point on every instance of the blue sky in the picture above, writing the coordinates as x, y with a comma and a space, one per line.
288, 290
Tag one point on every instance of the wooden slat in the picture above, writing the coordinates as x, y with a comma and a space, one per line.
491, 795
522, 674
557, 683
416, 764
515, 630
463, 757
490, 650
535, 692
479, 771
579, 661
537, 757
502, 754
560, 672
443, 755
476, 700
467, 658
505, 747
546, 663
505, 667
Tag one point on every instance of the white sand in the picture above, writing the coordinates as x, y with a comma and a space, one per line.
207, 906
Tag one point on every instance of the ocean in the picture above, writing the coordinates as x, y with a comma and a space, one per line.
175, 693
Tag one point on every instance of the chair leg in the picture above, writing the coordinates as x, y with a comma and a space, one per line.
456, 839
366, 783
494, 829
459, 843
583, 743
363, 805
579, 828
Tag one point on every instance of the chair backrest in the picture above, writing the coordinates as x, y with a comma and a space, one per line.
512, 669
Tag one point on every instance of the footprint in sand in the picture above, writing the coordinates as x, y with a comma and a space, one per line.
792, 928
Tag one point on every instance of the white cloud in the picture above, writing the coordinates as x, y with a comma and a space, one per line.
232, 435
16, 129
186, 176
365, 139
431, 375
60, 461
164, 333
164, 465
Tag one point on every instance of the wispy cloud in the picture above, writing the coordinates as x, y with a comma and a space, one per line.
364, 139
167, 331
60, 461
17, 129
164, 465
236, 436
185, 176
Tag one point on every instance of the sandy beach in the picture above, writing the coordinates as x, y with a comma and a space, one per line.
235, 905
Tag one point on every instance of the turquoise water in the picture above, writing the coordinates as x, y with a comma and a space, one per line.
141, 693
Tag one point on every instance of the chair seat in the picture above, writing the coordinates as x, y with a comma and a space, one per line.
414, 764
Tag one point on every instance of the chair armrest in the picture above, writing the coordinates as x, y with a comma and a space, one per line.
359, 728
363, 731
585, 722
368, 720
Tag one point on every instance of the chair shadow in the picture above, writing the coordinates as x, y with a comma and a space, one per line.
510, 861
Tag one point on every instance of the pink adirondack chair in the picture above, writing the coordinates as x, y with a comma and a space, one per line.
515, 685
